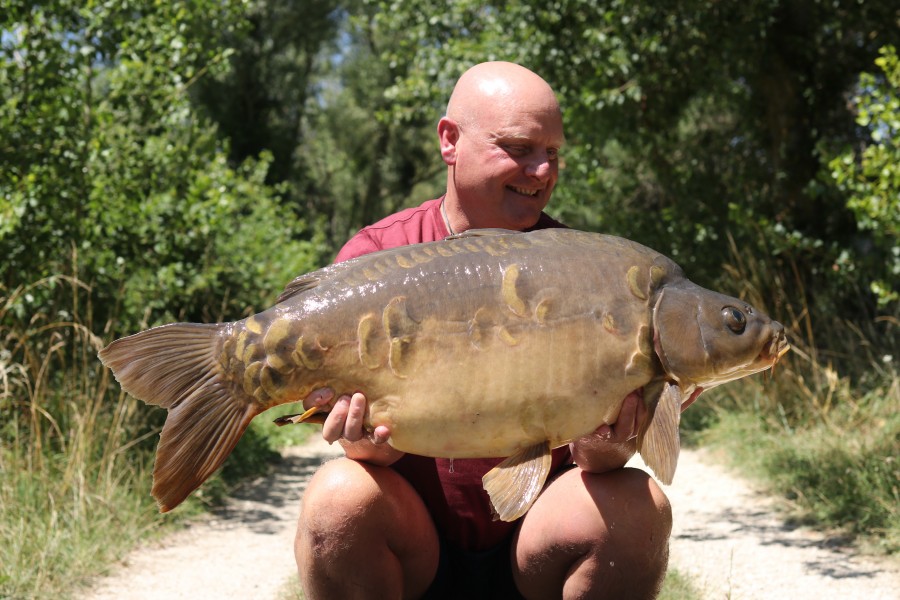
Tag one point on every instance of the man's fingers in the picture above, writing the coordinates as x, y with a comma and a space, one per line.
604, 432
333, 428
356, 413
626, 423
380, 435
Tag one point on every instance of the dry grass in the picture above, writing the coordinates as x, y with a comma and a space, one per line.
66, 481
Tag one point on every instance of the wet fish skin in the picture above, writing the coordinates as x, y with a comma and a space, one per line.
490, 344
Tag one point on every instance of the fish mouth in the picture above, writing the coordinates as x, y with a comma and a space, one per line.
777, 347
770, 354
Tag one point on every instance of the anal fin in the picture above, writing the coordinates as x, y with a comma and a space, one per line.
515, 484
658, 441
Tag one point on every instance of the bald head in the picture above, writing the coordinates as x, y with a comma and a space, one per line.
498, 86
500, 139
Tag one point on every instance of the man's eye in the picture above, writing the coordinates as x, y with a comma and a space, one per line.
517, 150
553, 153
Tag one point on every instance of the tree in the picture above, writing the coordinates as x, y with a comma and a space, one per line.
870, 175
688, 122
113, 178
260, 102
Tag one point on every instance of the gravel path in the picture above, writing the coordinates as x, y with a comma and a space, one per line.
726, 538
244, 550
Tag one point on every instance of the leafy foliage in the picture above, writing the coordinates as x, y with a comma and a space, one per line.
871, 176
112, 177
687, 123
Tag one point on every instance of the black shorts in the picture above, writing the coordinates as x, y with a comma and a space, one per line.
485, 575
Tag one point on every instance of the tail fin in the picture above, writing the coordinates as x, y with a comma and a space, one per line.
176, 367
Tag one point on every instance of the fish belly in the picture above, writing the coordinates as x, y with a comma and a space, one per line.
555, 383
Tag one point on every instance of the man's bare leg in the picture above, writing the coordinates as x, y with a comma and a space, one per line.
364, 533
594, 536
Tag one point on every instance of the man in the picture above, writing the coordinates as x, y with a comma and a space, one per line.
383, 524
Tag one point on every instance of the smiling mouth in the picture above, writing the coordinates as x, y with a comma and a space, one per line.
524, 191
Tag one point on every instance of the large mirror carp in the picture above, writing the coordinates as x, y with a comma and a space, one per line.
487, 344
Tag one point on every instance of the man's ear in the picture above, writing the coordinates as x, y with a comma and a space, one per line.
448, 135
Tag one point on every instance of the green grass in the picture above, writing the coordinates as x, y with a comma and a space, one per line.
678, 586
76, 454
291, 590
838, 473
70, 453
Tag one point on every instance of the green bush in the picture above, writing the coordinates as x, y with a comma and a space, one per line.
871, 176
839, 470
110, 176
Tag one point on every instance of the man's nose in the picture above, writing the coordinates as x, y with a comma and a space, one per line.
540, 166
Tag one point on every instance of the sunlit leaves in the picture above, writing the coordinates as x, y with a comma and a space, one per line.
871, 175
108, 173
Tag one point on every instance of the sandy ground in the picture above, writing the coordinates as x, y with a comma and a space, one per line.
726, 537
244, 550
729, 540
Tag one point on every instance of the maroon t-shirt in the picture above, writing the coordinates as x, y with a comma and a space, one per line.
451, 489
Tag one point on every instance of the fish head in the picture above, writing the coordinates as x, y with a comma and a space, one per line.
705, 338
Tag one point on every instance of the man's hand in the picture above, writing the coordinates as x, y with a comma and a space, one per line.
610, 446
345, 424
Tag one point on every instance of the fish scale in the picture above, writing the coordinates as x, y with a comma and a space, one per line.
487, 344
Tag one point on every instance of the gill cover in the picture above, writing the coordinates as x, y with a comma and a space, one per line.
706, 338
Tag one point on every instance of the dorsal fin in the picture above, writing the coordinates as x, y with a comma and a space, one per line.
299, 285
308, 281
480, 233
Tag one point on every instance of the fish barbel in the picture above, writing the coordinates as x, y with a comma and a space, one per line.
487, 344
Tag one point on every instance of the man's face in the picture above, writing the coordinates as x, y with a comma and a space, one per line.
507, 163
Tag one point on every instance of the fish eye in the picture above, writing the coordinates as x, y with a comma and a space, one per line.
734, 319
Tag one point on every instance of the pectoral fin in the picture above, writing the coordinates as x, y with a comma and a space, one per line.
515, 484
658, 440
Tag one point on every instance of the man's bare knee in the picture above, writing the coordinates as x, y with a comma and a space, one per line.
362, 526
613, 542
638, 517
